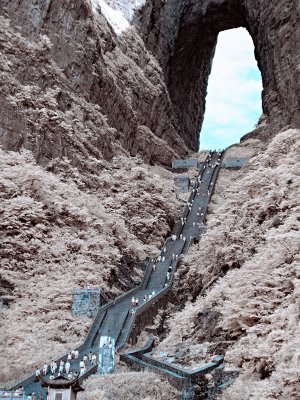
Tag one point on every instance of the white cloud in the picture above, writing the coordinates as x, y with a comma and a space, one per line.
233, 103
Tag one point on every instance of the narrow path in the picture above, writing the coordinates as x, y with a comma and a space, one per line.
115, 319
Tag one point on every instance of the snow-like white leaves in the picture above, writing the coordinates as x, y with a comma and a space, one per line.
119, 13
254, 239
57, 236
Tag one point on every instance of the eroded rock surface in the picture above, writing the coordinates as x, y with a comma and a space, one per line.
83, 91
84, 100
183, 33
113, 95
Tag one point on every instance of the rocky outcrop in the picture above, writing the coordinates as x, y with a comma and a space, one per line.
82, 90
182, 34
86, 92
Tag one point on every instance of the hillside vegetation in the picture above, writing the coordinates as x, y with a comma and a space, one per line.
242, 280
59, 235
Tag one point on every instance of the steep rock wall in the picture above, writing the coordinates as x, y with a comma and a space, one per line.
107, 92
183, 34
151, 104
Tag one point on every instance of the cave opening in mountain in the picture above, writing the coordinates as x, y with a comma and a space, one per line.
233, 101
191, 60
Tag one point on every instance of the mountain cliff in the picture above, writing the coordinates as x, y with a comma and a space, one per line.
97, 97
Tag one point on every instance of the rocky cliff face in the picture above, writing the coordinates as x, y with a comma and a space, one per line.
83, 99
82, 90
113, 95
182, 35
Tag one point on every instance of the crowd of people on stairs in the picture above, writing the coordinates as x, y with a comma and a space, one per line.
70, 368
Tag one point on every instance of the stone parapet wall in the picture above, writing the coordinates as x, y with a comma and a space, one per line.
146, 314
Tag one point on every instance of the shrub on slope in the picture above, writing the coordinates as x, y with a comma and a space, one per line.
59, 235
129, 386
252, 311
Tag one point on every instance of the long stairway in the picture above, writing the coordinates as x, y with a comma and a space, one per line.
116, 319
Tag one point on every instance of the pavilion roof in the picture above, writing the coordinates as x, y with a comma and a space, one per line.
61, 382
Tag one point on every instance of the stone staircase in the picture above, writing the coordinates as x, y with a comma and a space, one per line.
115, 319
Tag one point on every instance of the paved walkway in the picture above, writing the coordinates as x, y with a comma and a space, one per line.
115, 319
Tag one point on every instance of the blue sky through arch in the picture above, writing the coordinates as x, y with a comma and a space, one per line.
233, 101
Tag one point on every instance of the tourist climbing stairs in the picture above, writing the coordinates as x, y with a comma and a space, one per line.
117, 318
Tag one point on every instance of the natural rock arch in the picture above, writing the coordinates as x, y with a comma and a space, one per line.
183, 35
156, 115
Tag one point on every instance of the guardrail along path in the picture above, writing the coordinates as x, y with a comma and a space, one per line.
116, 319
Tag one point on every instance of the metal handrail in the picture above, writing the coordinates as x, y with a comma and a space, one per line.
117, 300
144, 307
141, 286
